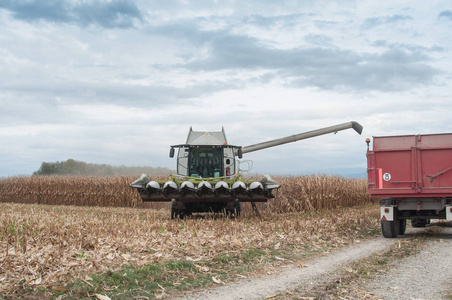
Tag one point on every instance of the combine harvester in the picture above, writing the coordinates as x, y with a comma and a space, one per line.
208, 178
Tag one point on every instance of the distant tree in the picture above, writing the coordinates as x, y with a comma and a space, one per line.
49, 168
74, 167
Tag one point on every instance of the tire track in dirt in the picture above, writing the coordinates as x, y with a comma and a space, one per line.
426, 275
259, 288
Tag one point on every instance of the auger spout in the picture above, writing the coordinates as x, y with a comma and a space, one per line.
301, 136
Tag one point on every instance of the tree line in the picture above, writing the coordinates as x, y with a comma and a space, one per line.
74, 167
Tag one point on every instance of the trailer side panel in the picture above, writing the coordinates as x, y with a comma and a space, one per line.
411, 166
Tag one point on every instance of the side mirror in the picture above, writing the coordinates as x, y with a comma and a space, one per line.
171, 153
245, 165
239, 153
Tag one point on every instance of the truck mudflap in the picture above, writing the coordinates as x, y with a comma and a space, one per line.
449, 212
387, 213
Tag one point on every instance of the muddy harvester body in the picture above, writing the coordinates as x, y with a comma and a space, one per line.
208, 173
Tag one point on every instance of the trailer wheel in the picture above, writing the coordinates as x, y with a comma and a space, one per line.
390, 229
418, 223
402, 226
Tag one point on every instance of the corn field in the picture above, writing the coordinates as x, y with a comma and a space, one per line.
317, 192
93, 224
301, 193
45, 245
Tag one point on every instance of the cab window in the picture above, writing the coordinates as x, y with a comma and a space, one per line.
205, 162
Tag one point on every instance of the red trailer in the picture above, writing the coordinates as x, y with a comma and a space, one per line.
412, 174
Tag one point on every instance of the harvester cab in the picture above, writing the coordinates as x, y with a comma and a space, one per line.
208, 178
206, 155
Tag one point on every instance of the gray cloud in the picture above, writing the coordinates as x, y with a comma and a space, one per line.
445, 14
111, 14
408, 47
269, 21
386, 20
318, 40
323, 67
376, 75
114, 93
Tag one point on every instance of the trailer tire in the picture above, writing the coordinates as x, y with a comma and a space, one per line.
402, 226
390, 229
419, 223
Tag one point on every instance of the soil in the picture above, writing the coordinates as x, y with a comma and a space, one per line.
424, 275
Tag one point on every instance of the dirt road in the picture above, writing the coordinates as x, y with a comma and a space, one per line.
426, 275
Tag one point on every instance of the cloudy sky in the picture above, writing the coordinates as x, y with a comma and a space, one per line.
117, 82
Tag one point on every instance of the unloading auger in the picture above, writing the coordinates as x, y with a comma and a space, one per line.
208, 178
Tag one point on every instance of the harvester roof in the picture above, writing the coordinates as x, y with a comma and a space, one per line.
206, 137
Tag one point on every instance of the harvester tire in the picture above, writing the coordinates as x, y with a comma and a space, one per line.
237, 207
236, 210
390, 229
175, 212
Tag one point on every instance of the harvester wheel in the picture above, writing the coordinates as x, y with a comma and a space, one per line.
176, 213
235, 211
173, 209
237, 207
